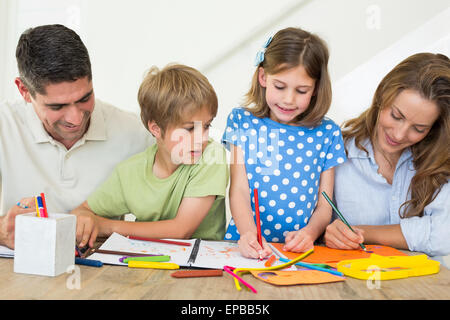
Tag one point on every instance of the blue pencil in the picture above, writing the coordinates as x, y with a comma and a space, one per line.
308, 266
88, 262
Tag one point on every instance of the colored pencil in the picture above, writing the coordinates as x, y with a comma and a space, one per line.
270, 261
153, 265
179, 243
229, 270
197, 273
37, 207
341, 216
258, 220
139, 256
312, 267
153, 259
77, 251
88, 262
44, 204
41, 207
122, 253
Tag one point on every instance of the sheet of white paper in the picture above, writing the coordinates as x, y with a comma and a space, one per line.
211, 254
6, 252
217, 254
116, 242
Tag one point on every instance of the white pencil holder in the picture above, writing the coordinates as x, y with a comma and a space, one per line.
44, 246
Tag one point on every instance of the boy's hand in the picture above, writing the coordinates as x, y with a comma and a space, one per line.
299, 241
250, 248
87, 229
339, 236
8, 221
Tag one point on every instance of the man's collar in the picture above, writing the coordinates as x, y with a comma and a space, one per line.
35, 125
97, 125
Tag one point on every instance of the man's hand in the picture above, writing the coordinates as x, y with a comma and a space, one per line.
7, 222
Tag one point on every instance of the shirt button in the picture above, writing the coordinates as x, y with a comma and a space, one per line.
394, 198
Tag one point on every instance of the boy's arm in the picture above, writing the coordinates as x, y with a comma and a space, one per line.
303, 239
88, 225
190, 214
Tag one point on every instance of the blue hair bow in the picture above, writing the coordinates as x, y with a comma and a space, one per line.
260, 54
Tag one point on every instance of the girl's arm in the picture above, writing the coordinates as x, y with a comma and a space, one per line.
241, 209
303, 240
190, 214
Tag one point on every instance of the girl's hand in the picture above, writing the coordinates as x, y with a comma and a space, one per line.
250, 248
339, 236
299, 241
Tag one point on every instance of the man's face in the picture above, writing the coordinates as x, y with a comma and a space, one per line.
65, 109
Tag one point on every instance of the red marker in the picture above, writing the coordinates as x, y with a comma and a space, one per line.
258, 220
44, 205
179, 243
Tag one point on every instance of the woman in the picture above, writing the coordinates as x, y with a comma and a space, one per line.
393, 187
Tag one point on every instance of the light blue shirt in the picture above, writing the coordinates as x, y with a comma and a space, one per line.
365, 198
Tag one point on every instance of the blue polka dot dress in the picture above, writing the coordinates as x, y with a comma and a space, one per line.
284, 163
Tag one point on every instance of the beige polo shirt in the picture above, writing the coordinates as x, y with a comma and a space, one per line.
31, 161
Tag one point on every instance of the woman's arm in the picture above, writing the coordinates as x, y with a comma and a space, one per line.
387, 235
339, 236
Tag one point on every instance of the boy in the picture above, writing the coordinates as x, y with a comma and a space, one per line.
176, 188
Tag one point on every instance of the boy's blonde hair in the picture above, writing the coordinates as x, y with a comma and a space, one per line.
171, 95
290, 48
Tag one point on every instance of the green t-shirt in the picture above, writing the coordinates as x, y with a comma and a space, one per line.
133, 188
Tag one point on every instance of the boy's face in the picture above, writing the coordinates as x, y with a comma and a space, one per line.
185, 142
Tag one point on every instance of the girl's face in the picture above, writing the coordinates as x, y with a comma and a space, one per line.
406, 122
288, 93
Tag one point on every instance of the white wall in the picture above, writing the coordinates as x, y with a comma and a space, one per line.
220, 39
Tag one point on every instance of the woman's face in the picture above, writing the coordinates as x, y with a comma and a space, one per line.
405, 122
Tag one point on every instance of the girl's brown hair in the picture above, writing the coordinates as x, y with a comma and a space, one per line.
429, 75
290, 48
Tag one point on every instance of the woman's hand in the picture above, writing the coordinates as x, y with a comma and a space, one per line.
339, 236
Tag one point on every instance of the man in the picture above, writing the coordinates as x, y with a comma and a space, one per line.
60, 140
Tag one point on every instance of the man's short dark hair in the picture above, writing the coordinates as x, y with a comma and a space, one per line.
51, 54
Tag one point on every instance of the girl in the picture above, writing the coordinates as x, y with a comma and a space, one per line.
282, 145
399, 163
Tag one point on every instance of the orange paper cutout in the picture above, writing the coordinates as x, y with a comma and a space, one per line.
331, 257
303, 276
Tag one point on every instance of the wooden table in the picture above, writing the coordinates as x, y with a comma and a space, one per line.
118, 282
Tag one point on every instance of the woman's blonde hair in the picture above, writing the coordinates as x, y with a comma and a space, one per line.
429, 75
171, 95
290, 48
